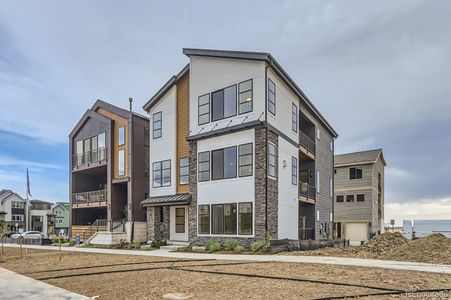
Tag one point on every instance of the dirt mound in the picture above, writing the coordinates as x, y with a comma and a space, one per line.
384, 243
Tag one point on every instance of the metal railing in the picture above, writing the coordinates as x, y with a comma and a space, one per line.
25, 241
89, 197
96, 155
306, 233
307, 190
307, 143
117, 225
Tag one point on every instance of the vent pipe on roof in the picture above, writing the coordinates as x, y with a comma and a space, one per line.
131, 104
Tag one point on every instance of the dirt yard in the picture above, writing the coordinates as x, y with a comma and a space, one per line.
137, 277
435, 248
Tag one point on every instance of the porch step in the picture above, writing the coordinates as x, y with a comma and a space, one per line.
174, 245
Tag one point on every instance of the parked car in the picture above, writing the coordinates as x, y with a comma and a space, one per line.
9, 234
29, 235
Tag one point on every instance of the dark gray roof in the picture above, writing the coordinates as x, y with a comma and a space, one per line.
5, 192
369, 156
40, 201
165, 88
269, 59
178, 199
115, 109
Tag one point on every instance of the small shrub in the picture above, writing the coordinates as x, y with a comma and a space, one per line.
239, 249
231, 244
212, 246
158, 243
257, 246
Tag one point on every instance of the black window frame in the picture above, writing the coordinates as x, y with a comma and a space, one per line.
350, 198
159, 129
294, 117
340, 198
360, 196
177, 218
223, 231
212, 162
199, 218
183, 168
270, 144
212, 104
202, 105
240, 155
294, 170
161, 170
206, 162
353, 173
273, 92
240, 92
240, 218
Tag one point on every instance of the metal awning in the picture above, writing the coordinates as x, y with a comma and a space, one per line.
178, 199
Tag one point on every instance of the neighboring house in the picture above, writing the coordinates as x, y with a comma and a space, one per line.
41, 216
61, 212
359, 195
109, 171
12, 209
237, 151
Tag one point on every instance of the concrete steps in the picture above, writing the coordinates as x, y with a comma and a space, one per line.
174, 245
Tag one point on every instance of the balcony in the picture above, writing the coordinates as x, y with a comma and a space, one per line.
89, 199
307, 193
89, 157
307, 145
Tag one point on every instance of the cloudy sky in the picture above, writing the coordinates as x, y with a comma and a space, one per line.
380, 71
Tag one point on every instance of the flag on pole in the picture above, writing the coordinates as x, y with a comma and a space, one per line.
28, 185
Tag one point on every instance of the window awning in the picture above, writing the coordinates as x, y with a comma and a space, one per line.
178, 199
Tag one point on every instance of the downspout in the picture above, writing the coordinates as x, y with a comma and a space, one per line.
130, 210
266, 151
333, 188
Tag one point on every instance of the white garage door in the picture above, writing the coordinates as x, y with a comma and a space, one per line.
356, 231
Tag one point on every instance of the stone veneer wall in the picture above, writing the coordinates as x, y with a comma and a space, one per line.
157, 230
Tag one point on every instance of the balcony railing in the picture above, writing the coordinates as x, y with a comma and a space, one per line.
97, 155
307, 191
93, 197
307, 143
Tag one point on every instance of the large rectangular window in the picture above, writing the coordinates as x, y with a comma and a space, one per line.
101, 144
223, 103
271, 97
355, 173
146, 136
294, 117
245, 160
204, 166
146, 163
245, 96
121, 163
180, 220
294, 170
184, 170
161, 173
217, 219
318, 183
331, 187
157, 125
203, 109
224, 163
272, 158
121, 136
245, 218
224, 219
204, 219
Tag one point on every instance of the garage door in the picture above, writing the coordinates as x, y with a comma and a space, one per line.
356, 231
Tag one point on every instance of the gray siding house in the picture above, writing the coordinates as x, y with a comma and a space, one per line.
359, 195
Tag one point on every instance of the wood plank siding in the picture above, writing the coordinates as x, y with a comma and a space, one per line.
118, 122
182, 112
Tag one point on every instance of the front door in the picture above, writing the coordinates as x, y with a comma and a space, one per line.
178, 223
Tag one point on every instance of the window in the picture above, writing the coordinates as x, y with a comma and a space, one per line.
318, 133
121, 136
146, 163
294, 117
271, 97
245, 218
101, 143
224, 219
121, 163
223, 163
223, 103
184, 170
360, 197
16, 204
272, 158
331, 187
340, 198
331, 145
17, 218
146, 136
318, 177
157, 124
294, 170
245, 160
349, 198
355, 173
94, 147
180, 220
162, 173
204, 219
245, 96
87, 148
203, 109
204, 166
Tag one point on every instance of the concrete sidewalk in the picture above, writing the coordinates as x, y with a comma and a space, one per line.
16, 286
357, 262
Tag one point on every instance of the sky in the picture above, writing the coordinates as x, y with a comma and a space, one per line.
379, 71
